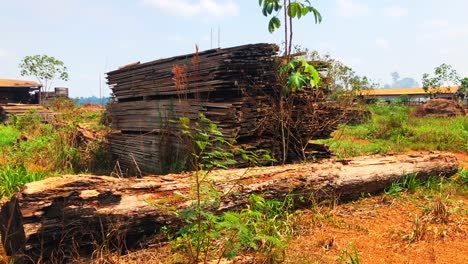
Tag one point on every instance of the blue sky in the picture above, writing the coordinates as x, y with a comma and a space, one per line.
95, 36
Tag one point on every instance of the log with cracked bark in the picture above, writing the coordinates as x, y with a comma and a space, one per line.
74, 214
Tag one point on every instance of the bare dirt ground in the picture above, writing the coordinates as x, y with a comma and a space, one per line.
463, 159
380, 229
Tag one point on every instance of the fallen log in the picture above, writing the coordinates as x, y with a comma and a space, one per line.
66, 215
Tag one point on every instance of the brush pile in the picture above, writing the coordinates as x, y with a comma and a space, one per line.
441, 108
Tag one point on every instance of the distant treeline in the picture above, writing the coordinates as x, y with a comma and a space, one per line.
92, 100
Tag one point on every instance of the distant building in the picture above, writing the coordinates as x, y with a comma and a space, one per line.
19, 91
58, 92
27, 92
411, 95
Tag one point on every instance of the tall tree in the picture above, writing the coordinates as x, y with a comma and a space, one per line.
444, 77
462, 92
45, 68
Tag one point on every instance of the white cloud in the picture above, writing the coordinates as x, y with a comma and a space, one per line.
4, 53
396, 11
352, 8
440, 28
382, 43
457, 32
190, 8
351, 61
434, 24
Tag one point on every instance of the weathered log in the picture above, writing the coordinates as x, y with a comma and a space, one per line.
58, 216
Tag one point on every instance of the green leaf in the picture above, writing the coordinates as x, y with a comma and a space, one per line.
315, 77
292, 10
296, 81
277, 6
270, 7
317, 15
274, 24
264, 10
289, 67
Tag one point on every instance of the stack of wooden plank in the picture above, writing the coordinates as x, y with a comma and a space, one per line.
226, 85
218, 72
236, 88
9, 110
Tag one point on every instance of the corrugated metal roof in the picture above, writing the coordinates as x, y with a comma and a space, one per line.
407, 91
18, 83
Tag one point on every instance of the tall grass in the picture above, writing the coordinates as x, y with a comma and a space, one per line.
13, 178
393, 128
31, 149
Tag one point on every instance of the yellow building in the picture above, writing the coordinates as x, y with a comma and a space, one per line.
414, 95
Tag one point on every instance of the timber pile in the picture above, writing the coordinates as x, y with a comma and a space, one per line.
219, 70
9, 110
226, 85
235, 88
66, 215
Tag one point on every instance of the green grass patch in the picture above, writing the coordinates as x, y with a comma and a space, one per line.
8, 135
13, 178
392, 128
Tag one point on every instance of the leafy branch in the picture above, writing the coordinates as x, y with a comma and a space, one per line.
291, 10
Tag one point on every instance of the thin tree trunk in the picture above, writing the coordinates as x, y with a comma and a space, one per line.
285, 7
290, 32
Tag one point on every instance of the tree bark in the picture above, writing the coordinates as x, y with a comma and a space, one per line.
75, 214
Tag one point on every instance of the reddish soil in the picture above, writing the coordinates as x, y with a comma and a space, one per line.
92, 107
379, 228
463, 159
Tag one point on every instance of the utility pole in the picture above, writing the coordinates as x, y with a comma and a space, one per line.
100, 89
219, 37
211, 39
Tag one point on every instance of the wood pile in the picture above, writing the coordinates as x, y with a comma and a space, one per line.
236, 88
77, 214
9, 110
226, 85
